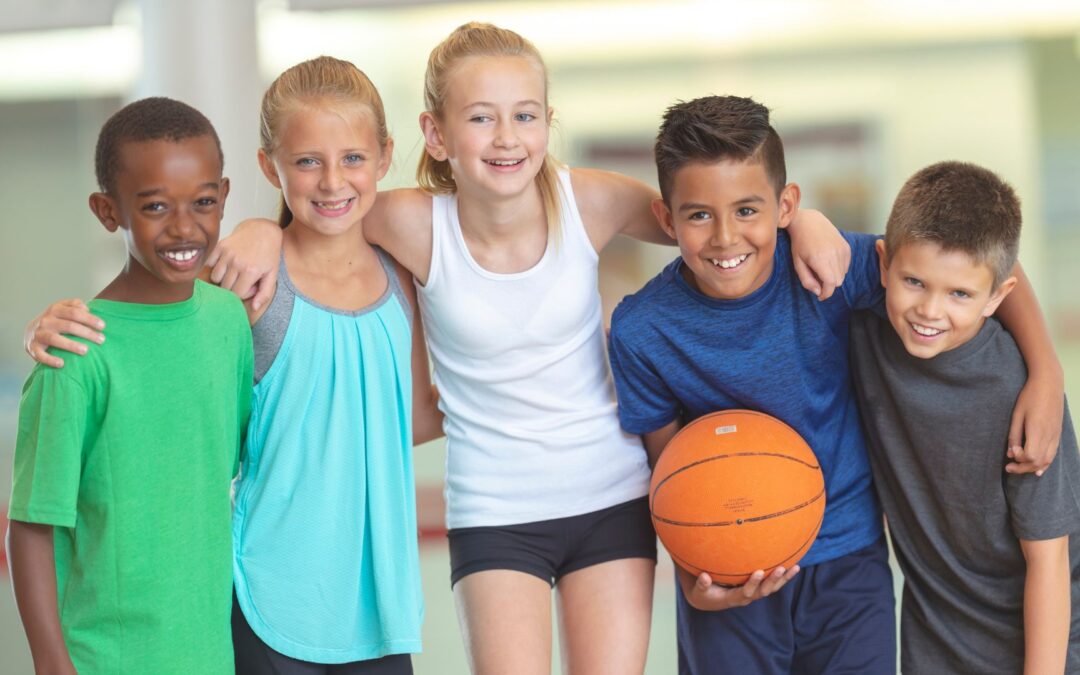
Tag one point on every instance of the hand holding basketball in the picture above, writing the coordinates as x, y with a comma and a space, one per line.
702, 594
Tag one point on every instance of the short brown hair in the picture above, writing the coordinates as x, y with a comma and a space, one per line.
713, 129
960, 207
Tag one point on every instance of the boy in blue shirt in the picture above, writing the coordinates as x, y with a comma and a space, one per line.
987, 558
727, 325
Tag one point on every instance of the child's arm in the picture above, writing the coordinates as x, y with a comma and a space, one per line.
611, 204
33, 576
1046, 605
246, 262
1035, 430
427, 418
48, 329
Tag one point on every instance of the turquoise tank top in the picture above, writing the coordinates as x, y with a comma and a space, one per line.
325, 559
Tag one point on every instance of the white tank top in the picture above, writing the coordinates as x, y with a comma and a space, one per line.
520, 363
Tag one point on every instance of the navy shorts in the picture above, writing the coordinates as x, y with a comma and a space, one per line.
551, 549
253, 657
835, 617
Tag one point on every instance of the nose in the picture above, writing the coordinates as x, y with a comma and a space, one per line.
332, 178
929, 306
505, 134
725, 232
184, 225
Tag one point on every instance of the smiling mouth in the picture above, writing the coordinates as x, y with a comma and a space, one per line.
334, 206
181, 258
504, 162
925, 331
729, 263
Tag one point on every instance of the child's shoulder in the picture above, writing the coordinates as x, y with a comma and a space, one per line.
219, 302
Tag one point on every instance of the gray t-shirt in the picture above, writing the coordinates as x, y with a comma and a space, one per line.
937, 432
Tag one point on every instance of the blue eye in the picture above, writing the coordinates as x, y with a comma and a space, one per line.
480, 118
354, 158
963, 295
306, 162
912, 281
524, 117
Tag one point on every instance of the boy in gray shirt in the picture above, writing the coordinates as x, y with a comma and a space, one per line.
991, 573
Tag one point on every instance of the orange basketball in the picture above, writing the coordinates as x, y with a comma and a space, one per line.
737, 491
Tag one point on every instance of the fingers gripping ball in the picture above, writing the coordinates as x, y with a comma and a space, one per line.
737, 491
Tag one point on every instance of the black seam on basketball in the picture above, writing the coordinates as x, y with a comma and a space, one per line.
686, 563
714, 458
740, 521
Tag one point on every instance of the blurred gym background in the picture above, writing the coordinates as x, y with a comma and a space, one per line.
864, 92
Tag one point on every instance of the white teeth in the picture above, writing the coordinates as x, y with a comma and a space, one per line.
332, 206
730, 262
181, 256
925, 330
505, 162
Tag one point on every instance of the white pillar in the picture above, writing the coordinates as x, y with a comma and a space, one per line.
203, 52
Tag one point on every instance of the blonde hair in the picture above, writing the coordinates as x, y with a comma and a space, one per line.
323, 81
481, 39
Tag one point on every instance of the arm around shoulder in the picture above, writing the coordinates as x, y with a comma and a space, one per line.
427, 418
611, 203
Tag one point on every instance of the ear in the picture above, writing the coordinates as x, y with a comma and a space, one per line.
266, 163
385, 159
789, 204
224, 194
883, 265
663, 215
104, 207
997, 296
433, 139
550, 116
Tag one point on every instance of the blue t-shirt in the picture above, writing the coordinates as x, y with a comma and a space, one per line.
679, 354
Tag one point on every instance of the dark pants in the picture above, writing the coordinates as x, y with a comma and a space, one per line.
835, 617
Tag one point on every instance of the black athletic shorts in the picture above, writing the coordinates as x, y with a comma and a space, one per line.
551, 549
254, 657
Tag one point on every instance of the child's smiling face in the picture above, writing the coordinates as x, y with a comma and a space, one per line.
936, 299
169, 200
725, 215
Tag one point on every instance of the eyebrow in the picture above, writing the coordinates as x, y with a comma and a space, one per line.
488, 104
156, 191
695, 206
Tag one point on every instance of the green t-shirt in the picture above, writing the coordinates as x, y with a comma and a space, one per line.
129, 452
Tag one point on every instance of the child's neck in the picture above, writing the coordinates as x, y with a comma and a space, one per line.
339, 271
494, 222
330, 252
135, 284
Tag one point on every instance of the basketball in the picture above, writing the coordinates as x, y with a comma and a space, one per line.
734, 492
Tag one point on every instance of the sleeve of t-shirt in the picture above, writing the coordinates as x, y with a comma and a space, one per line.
645, 401
862, 285
48, 449
1048, 507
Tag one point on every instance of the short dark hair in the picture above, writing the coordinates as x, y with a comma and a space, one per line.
148, 119
716, 128
960, 207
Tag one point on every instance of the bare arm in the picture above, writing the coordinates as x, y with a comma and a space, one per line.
820, 254
427, 418
246, 262
1035, 430
33, 576
1046, 605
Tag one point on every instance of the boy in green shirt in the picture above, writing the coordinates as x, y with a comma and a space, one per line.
119, 537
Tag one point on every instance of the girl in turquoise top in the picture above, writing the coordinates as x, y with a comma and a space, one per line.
326, 566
